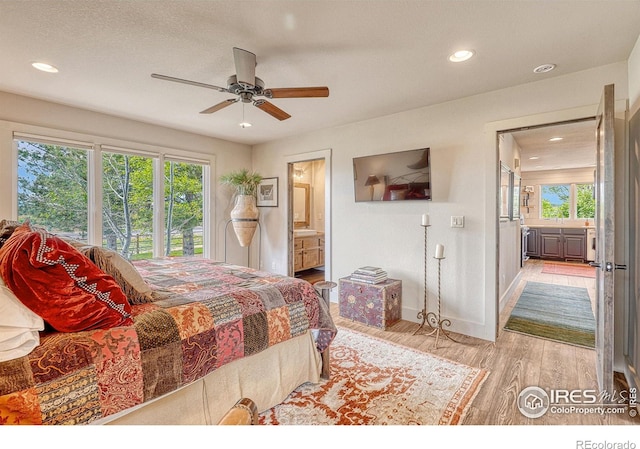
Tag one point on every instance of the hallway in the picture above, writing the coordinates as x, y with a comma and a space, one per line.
532, 271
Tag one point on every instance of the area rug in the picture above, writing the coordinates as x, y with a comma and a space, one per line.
555, 312
375, 382
569, 269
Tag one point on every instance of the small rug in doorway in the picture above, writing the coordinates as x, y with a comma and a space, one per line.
375, 382
566, 269
555, 312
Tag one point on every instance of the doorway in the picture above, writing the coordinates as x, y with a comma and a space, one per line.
555, 166
554, 208
309, 216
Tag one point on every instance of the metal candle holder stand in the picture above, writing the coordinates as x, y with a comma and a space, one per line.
433, 320
422, 315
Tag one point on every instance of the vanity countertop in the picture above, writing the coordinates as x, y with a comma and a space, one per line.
307, 233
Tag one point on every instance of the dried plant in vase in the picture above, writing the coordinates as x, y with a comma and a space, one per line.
244, 215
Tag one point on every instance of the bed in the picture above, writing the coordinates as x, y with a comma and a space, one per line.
197, 335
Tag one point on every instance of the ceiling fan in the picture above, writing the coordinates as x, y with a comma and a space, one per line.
247, 86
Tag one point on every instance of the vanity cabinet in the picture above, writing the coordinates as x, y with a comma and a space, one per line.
557, 243
308, 252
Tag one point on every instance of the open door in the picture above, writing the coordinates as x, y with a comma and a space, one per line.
605, 239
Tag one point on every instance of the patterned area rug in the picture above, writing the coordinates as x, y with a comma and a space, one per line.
569, 269
555, 312
374, 382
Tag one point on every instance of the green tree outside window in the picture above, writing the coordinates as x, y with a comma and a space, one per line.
555, 201
585, 201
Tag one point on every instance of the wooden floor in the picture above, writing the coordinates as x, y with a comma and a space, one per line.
311, 275
515, 361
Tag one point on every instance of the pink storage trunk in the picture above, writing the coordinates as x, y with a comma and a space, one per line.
377, 305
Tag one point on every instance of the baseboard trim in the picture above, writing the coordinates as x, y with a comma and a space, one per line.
504, 299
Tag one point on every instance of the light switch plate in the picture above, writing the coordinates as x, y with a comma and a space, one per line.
457, 221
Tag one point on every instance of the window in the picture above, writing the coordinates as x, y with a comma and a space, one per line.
585, 201
127, 204
555, 201
567, 201
183, 202
52, 187
152, 204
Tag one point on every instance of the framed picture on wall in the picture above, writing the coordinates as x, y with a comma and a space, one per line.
515, 200
267, 194
505, 192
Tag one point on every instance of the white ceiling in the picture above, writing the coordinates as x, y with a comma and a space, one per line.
577, 149
376, 57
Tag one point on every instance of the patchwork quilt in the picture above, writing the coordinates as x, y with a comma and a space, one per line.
206, 314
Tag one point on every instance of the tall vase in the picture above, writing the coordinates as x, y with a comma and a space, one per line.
244, 218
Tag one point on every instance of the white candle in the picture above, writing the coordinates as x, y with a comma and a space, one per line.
425, 220
439, 251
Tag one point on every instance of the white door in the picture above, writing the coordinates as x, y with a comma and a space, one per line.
605, 240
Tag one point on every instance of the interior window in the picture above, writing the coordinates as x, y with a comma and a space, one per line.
183, 203
52, 187
555, 200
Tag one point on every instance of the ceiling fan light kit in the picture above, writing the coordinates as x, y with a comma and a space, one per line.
246, 86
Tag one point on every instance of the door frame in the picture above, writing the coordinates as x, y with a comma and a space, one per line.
305, 157
492, 249
492, 211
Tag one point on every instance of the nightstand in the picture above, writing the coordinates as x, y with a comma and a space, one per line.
377, 305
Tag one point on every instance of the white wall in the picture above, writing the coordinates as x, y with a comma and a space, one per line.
510, 239
462, 138
29, 115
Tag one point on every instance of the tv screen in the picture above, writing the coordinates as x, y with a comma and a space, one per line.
400, 176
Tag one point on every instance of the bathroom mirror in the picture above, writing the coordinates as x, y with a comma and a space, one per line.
301, 212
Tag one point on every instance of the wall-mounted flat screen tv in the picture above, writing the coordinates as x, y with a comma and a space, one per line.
400, 176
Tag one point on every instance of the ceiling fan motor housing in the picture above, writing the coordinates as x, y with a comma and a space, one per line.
244, 90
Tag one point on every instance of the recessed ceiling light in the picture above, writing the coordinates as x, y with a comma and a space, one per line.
533, 158
43, 66
544, 68
461, 55
555, 139
245, 125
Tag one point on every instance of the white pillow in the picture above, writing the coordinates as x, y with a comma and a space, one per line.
15, 314
19, 326
16, 342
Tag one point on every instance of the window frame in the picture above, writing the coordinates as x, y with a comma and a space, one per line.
573, 200
95, 146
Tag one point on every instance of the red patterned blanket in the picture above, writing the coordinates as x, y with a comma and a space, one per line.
211, 314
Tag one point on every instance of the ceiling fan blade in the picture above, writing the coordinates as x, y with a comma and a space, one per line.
193, 83
245, 62
271, 109
297, 92
219, 106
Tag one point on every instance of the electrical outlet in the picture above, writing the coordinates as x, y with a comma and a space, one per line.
457, 221
274, 266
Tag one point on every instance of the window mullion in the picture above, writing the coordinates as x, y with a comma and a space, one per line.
573, 204
94, 195
158, 206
